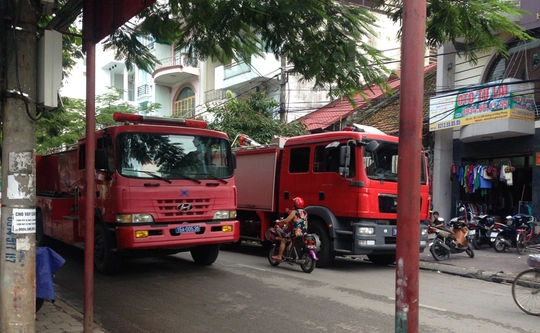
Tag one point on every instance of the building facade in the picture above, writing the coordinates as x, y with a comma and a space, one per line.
487, 130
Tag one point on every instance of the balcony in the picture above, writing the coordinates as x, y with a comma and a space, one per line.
143, 90
236, 75
174, 71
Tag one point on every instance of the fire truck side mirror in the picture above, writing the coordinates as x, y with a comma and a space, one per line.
344, 160
101, 160
233, 161
372, 146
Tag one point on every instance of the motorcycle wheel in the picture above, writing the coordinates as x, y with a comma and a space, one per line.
470, 251
499, 244
274, 250
437, 251
520, 243
475, 243
309, 264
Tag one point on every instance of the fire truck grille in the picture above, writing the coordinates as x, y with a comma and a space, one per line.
183, 207
387, 203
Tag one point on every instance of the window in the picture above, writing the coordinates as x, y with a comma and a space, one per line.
327, 160
173, 156
184, 107
299, 161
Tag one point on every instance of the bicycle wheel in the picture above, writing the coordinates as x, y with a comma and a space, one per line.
526, 291
520, 243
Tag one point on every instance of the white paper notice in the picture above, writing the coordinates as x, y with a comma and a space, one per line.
24, 221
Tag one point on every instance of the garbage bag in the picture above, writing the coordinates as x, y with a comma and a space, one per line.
47, 263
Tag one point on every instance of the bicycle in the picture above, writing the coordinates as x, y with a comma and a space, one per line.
525, 235
526, 287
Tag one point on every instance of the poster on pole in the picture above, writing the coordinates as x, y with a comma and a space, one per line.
24, 221
509, 98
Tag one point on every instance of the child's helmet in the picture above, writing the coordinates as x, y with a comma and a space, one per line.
298, 202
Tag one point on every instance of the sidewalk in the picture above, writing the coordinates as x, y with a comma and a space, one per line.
60, 317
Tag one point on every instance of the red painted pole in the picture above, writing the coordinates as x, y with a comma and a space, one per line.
90, 47
409, 166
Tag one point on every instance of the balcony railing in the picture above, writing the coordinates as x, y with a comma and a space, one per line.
214, 95
236, 69
143, 90
178, 59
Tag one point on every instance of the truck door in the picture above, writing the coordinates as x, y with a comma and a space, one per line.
295, 177
330, 188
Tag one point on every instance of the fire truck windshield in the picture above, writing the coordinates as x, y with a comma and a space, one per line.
382, 164
173, 156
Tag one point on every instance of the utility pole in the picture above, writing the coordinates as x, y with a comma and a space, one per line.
18, 222
410, 148
282, 91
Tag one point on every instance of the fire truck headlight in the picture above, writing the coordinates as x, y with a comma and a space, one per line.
134, 218
225, 214
366, 231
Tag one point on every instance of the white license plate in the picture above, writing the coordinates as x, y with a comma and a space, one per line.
188, 228
431, 236
493, 234
472, 232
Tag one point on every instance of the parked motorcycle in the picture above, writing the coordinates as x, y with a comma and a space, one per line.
299, 250
451, 240
479, 231
504, 235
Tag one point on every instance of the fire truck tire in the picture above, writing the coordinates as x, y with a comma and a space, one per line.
326, 255
105, 260
382, 259
41, 238
205, 254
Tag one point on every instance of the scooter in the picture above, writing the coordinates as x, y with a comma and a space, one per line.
479, 233
300, 250
504, 235
451, 240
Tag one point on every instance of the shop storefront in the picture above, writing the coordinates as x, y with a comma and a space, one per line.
492, 164
496, 177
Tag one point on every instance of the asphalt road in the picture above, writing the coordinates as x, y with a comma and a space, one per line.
241, 292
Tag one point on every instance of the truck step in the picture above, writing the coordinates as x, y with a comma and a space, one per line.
343, 232
79, 245
70, 217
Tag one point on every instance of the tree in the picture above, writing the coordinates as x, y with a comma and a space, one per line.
326, 41
253, 116
473, 24
64, 126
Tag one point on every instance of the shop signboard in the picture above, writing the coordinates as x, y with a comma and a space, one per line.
509, 98
530, 20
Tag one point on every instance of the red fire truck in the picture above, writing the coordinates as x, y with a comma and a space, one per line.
348, 180
161, 186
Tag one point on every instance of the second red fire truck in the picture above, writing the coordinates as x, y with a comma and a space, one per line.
348, 180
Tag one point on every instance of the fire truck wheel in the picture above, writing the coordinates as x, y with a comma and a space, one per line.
41, 238
382, 259
105, 260
205, 254
326, 256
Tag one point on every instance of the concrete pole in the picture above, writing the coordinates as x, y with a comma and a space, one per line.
409, 166
18, 222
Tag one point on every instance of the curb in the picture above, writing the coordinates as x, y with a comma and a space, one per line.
498, 277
